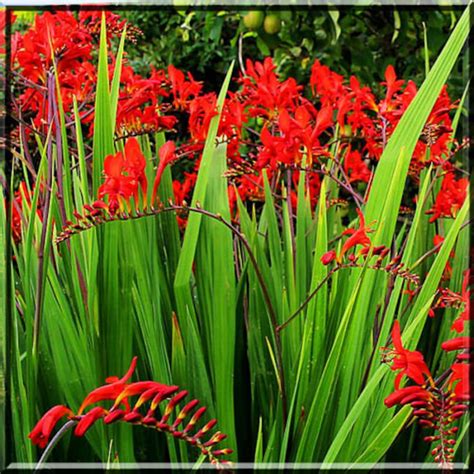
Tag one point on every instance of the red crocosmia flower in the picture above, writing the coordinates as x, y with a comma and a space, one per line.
124, 173
460, 374
88, 420
328, 257
135, 162
138, 388
409, 363
167, 154
458, 324
357, 236
354, 107
42, 431
393, 86
406, 394
299, 135
458, 344
114, 415
111, 391
201, 111
326, 84
355, 167
3, 22
264, 94
231, 123
181, 190
450, 198
181, 89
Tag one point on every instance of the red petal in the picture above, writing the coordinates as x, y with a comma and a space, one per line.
113, 165
88, 420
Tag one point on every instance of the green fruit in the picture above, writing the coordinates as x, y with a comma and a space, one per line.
272, 24
253, 19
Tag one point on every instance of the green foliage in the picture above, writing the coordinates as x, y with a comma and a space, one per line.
349, 39
282, 342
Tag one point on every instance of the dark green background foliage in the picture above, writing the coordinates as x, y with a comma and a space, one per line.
350, 40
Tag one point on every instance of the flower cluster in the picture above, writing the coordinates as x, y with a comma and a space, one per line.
124, 175
450, 198
119, 391
437, 403
447, 298
357, 237
268, 122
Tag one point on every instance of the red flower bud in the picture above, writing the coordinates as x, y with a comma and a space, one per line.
114, 416
88, 420
42, 430
328, 257
458, 343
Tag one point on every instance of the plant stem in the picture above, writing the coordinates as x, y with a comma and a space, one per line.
54, 442
308, 298
44, 230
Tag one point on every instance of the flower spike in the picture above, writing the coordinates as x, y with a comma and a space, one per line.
120, 392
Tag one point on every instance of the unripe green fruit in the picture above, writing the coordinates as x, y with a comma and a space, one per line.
253, 19
272, 24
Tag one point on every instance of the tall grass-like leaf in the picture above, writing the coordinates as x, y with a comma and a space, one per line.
312, 426
115, 86
191, 235
103, 140
364, 398
186, 313
385, 438
411, 124
216, 287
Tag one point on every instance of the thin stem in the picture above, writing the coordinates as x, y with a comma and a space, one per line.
435, 248
56, 438
241, 60
46, 210
309, 298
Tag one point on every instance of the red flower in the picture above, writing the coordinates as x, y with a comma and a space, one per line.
409, 363
406, 395
111, 391
124, 173
460, 374
355, 167
458, 344
458, 324
167, 154
357, 237
450, 198
326, 84
42, 431
393, 86
145, 389
328, 257
264, 94
201, 111
181, 89
88, 420
300, 134
3, 22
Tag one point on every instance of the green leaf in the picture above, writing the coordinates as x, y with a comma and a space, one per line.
103, 140
384, 440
